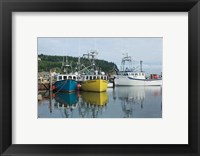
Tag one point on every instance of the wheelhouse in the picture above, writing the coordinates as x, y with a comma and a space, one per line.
94, 77
136, 75
67, 77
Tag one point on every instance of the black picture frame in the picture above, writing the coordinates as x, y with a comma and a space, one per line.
9, 6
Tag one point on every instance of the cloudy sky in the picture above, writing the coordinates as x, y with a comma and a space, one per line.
149, 50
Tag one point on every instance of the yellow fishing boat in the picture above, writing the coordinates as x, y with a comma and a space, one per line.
94, 83
94, 80
95, 98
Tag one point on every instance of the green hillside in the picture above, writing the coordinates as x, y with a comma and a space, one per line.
47, 62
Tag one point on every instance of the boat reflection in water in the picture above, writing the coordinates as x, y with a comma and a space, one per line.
67, 101
118, 102
139, 98
91, 104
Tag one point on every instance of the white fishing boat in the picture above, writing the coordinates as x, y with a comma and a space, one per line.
130, 77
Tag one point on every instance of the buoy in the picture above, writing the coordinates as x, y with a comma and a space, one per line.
155, 76
78, 86
39, 97
53, 87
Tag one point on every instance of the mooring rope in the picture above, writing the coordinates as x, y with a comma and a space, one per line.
61, 87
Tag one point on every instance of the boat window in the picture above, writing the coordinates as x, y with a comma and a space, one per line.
70, 77
74, 77
136, 74
86, 77
102, 77
91, 78
94, 77
65, 77
142, 74
105, 78
60, 77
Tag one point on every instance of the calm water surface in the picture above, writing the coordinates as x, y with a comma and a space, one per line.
118, 102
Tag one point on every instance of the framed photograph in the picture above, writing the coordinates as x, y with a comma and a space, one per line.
99, 77
97, 84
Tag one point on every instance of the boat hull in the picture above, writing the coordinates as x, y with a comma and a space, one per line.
126, 81
66, 85
94, 85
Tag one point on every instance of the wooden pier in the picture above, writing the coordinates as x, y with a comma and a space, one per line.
43, 86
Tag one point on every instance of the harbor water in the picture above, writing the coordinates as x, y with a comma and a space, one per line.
118, 102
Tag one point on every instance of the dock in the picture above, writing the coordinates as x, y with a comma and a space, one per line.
43, 86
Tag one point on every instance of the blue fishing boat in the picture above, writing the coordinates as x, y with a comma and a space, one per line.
66, 83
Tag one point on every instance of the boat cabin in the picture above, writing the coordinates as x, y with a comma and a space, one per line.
67, 77
94, 77
136, 75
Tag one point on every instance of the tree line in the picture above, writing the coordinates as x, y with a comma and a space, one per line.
54, 63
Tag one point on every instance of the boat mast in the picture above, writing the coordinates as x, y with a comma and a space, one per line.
141, 66
126, 59
91, 56
79, 64
65, 65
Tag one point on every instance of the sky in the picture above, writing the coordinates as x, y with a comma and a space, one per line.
149, 50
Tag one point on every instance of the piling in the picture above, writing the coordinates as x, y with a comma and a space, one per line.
50, 101
50, 81
50, 91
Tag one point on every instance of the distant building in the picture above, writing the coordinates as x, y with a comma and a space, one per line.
43, 77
